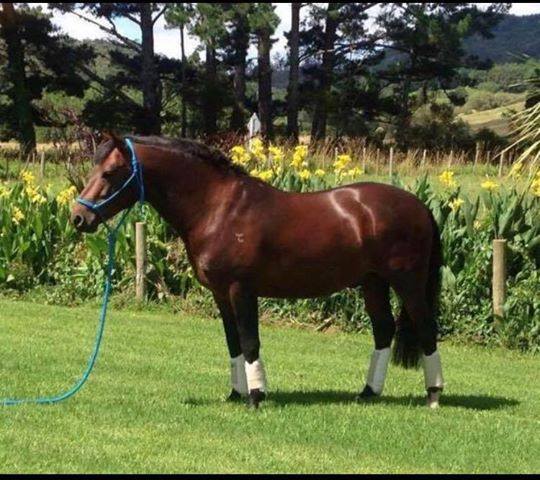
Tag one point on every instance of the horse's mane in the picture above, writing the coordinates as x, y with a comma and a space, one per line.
210, 155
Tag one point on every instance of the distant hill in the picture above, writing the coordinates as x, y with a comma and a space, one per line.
514, 35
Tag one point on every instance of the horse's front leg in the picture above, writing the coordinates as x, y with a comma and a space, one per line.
245, 307
237, 362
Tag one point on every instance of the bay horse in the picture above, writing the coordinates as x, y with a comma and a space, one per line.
246, 239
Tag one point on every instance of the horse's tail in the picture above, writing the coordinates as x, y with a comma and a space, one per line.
407, 349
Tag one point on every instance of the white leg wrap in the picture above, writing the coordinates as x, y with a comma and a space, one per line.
377, 369
433, 370
238, 375
256, 378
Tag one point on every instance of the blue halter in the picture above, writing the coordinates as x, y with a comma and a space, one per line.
135, 177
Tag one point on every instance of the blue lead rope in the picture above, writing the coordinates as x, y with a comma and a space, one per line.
136, 175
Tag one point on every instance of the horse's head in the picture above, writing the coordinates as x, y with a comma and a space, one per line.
109, 188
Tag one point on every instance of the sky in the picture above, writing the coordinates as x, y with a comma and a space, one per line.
167, 42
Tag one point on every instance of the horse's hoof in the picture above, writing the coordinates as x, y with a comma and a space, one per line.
433, 396
234, 396
366, 394
256, 396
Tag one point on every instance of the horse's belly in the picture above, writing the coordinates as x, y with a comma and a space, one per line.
302, 279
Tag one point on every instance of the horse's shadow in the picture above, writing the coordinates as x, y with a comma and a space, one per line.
336, 397
472, 402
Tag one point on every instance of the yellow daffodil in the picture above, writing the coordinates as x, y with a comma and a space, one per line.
455, 204
27, 177
277, 153
17, 216
515, 171
535, 186
354, 172
341, 162
299, 156
257, 149
489, 185
266, 175
33, 194
320, 172
447, 178
66, 196
4, 191
239, 155
304, 174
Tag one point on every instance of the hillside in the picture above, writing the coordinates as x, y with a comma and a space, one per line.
515, 35
496, 119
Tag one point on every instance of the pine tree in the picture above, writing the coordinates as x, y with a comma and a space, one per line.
179, 15
38, 59
144, 15
10, 22
236, 45
292, 89
264, 21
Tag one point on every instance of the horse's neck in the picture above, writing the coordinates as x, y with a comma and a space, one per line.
186, 193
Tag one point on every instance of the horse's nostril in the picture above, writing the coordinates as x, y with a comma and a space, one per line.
78, 221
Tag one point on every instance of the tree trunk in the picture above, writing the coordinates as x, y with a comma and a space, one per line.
184, 106
292, 90
149, 75
318, 127
17, 76
209, 104
265, 84
238, 116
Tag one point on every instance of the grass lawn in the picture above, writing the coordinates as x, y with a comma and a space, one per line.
155, 402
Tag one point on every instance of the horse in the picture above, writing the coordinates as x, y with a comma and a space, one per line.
246, 239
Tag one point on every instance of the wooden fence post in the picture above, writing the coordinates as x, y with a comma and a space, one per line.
42, 166
499, 278
476, 155
364, 159
391, 161
140, 260
501, 162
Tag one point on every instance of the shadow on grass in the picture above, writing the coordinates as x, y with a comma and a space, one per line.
472, 402
341, 397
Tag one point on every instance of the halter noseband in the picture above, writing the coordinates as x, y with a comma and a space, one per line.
136, 176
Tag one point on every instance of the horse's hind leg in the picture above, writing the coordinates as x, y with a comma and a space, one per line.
377, 299
238, 371
424, 325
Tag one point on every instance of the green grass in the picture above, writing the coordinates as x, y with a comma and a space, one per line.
155, 402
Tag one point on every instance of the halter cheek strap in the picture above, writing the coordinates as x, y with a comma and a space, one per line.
135, 177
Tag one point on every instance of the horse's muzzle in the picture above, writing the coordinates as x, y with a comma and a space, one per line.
84, 220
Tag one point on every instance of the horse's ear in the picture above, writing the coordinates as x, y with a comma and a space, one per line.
111, 135
117, 140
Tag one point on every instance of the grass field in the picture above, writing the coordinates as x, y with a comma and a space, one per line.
494, 119
155, 402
